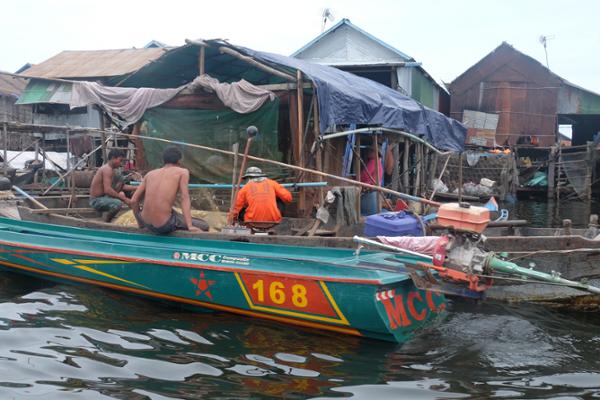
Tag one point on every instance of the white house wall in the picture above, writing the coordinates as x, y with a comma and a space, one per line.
405, 80
346, 46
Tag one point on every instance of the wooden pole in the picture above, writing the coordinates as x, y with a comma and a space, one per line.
396, 170
441, 174
418, 161
235, 148
293, 167
460, 176
68, 135
317, 133
357, 167
259, 65
405, 173
201, 60
377, 169
236, 188
5, 151
551, 173
300, 137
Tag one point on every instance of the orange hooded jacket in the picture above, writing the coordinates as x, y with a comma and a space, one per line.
260, 198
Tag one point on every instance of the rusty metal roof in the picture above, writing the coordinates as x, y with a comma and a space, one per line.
94, 63
11, 84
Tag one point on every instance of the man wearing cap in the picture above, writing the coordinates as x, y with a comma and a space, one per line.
259, 198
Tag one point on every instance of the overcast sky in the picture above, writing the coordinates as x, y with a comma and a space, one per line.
446, 36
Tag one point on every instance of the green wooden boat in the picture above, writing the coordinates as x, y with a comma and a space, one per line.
370, 294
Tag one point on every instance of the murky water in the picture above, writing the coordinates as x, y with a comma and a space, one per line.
64, 342
542, 213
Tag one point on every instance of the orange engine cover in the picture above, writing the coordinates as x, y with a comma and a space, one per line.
463, 217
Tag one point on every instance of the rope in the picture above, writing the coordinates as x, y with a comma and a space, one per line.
527, 254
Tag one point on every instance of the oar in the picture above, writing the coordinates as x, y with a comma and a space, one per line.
26, 195
251, 131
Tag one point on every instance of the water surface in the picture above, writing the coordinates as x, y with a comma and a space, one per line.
76, 342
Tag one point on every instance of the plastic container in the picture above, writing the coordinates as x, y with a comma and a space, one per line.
368, 203
392, 224
463, 217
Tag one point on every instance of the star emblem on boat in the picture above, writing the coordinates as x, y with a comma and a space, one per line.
203, 285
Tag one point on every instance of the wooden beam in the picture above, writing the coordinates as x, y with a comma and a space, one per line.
63, 210
257, 64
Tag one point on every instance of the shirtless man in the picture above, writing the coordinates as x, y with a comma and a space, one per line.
106, 190
159, 190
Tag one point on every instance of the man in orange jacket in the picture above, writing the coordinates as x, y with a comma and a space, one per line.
259, 198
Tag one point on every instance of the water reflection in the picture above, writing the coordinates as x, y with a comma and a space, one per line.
63, 342
549, 213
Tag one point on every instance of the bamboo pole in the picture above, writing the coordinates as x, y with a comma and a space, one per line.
257, 64
293, 167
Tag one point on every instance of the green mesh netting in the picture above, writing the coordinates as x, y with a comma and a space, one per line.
219, 129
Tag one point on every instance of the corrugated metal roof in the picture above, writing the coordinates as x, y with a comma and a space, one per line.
11, 84
94, 63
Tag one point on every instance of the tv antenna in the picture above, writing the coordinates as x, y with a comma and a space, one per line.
325, 16
544, 41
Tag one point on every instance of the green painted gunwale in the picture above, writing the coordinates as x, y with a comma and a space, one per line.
146, 261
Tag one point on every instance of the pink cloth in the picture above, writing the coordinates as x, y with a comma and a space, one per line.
368, 175
422, 244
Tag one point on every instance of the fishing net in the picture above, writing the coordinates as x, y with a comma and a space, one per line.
575, 167
213, 128
215, 219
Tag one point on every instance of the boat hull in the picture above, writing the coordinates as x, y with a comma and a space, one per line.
328, 289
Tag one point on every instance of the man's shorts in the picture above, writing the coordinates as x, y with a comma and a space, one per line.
105, 203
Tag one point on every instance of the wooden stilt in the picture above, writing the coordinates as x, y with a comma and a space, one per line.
5, 151
377, 169
357, 166
551, 173
300, 139
418, 161
405, 172
460, 177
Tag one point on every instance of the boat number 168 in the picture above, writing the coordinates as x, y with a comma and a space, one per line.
278, 293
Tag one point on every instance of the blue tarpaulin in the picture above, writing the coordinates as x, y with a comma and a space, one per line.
345, 99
